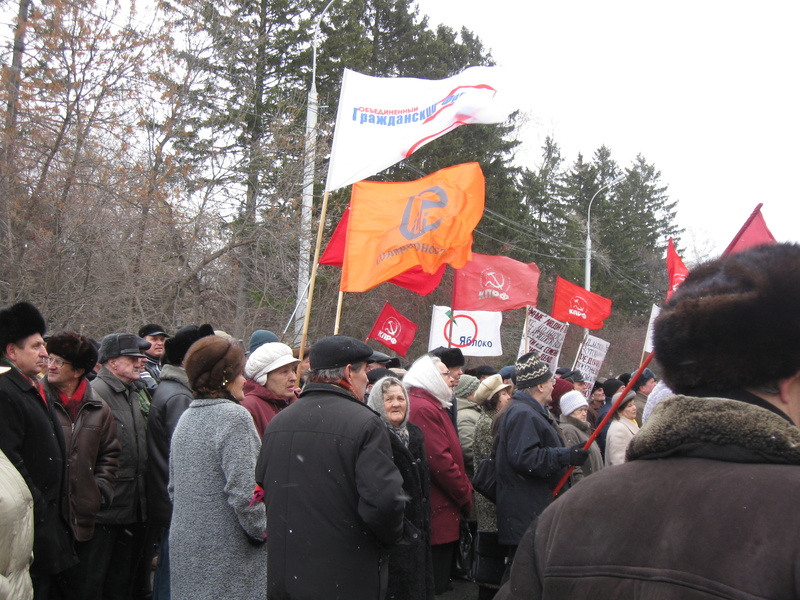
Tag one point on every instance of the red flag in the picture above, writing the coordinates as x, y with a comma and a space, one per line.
396, 226
495, 283
415, 279
753, 233
393, 330
676, 270
576, 305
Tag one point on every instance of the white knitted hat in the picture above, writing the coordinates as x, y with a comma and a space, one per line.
572, 401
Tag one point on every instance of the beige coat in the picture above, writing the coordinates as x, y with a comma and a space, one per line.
620, 434
16, 534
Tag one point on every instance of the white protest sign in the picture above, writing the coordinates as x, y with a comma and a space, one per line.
545, 335
590, 359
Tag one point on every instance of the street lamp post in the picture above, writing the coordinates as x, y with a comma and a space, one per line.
588, 273
310, 157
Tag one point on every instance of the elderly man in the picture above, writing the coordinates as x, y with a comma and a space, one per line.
90, 435
31, 438
531, 457
334, 496
711, 481
118, 552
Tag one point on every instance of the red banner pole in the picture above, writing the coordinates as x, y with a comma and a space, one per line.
599, 428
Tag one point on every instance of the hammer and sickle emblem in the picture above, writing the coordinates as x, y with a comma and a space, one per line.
495, 280
392, 327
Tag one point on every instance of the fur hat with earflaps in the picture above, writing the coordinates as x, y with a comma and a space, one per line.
734, 323
19, 321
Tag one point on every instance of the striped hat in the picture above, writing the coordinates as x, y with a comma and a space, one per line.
531, 370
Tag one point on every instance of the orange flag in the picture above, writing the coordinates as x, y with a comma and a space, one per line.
427, 222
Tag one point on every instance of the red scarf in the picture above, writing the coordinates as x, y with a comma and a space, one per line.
73, 403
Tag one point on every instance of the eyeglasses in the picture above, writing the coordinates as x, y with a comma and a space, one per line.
447, 375
54, 360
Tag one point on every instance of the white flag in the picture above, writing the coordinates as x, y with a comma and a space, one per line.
476, 332
648, 340
382, 120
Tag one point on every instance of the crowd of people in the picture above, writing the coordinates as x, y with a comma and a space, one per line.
191, 466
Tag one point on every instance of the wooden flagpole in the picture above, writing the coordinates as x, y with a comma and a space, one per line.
313, 281
580, 348
339, 304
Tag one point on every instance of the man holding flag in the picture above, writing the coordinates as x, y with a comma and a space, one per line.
712, 479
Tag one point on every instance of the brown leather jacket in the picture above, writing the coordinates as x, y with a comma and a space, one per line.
92, 458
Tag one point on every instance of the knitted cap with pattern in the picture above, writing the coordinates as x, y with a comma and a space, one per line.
530, 370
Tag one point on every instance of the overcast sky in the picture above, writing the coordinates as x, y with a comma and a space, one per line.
707, 91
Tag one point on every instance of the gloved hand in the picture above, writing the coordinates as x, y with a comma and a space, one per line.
577, 455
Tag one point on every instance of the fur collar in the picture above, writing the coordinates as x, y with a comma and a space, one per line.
716, 428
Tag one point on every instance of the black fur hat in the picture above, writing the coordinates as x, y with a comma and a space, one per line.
74, 348
451, 357
734, 323
19, 321
177, 346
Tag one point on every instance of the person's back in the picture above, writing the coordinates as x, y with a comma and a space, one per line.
704, 506
711, 520
333, 495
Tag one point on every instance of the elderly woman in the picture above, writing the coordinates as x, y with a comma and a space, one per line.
492, 396
270, 385
428, 383
575, 427
410, 563
622, 429
217, 534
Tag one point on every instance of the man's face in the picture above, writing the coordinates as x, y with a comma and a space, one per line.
126, 368
60, 373
455, 373
545, 396
648, 386
29, 355
358, 379
580, 386
156, 349
598, 397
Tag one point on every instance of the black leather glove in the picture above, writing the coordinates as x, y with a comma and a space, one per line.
577, 455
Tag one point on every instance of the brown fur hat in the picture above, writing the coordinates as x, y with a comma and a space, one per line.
211, 364
734, 323
74, 348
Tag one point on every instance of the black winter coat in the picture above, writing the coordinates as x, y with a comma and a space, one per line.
31, 438
531, 459
334, 498
410, 562
170, 400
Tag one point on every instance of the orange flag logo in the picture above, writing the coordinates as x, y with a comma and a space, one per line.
396, 226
